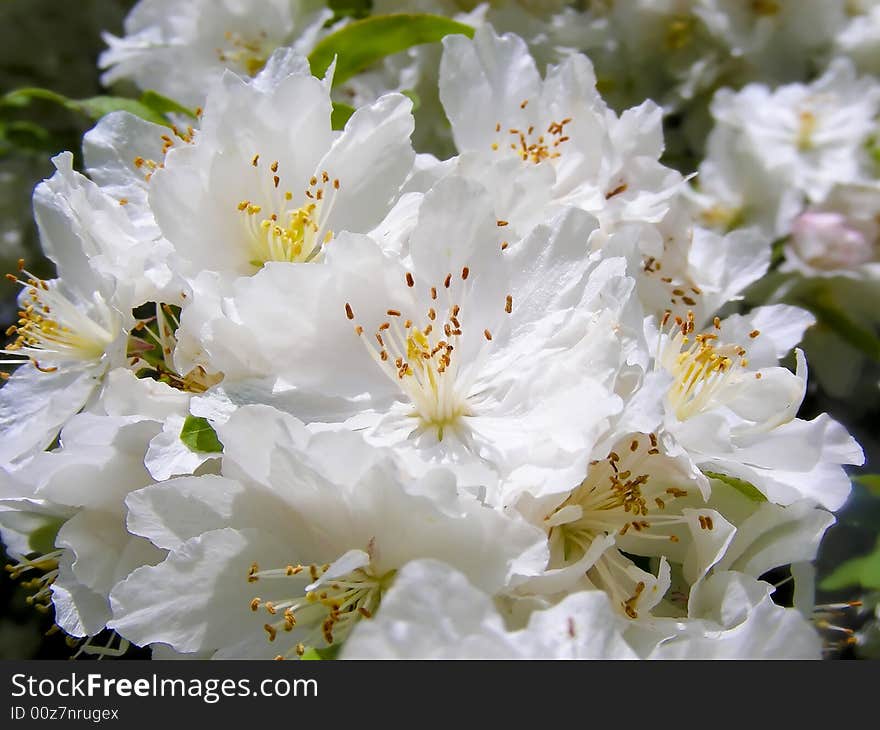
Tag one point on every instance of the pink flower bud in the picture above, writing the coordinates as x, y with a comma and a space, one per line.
827, 241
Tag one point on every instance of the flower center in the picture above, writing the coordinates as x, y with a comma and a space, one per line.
702, 367
530, 144
52, 327
422, 358
806, 129
47, 565
327, 609
248, 54
613, 499
725, 217
286, 232
632, 490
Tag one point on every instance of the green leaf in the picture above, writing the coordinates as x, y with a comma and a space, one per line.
414, 98
24, 135
863, 571
326, 653
341, 114
829, 314
873, 147
163, 105
869, 481
42, 540
777, 251
747, 489
198, 436
23, 97
99, 106
360, 44
94, 107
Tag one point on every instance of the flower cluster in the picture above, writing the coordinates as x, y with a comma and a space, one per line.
300, 390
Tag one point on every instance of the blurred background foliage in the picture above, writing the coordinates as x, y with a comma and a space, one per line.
54, 44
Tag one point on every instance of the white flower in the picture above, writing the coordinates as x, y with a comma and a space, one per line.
121, 153
433, 612
638, 501
806, 138
778, 39
24, 520
733, 189
28, 525
480, 407
645, 49
416, 69
179, 49
645, 527
115, 242
767, 535
309, 532
681, 267
732, 616
481, 353
101, 460
677, 51
542, 144
266, 178
71, 330
733, 408
860, 39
